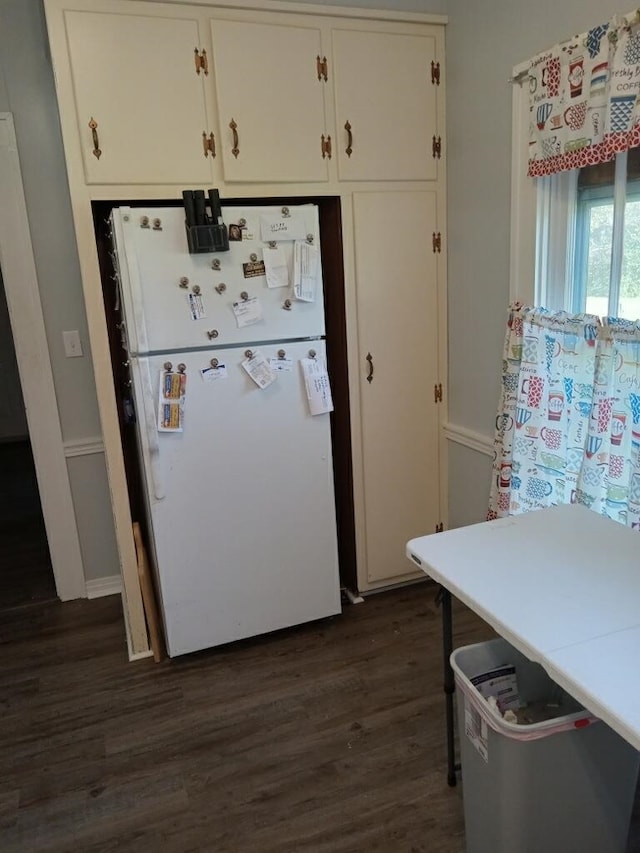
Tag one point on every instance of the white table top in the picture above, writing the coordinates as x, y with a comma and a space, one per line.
563, 586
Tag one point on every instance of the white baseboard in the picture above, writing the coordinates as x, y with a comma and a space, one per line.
98, 587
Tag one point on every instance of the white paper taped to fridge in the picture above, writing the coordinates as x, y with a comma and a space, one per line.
196, 306
305, 271
276, 267
274, 227
316, 380
258, 369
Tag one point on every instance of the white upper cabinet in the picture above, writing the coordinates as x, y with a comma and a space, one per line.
385, 99
140, 103
270, 101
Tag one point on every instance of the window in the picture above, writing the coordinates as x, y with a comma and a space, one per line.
588, 239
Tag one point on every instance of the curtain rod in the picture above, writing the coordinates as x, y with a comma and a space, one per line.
519, 78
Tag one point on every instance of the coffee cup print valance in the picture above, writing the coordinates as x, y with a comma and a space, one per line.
583, 98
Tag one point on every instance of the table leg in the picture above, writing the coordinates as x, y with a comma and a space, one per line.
444, 598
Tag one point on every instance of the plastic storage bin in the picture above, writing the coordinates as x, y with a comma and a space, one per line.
565, 785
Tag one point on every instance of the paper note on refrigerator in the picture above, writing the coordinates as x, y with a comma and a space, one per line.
281, 364
316, 380
213, 374
196, 306
173, 387
280, 227
276, 267
305, 271
259, 370
247, 312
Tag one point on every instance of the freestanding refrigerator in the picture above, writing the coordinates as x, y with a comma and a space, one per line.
227, 358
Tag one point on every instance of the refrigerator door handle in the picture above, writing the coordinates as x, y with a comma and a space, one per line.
149, 404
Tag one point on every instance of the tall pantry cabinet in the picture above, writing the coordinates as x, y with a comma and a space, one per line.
283, 100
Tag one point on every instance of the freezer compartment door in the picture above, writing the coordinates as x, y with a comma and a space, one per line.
241, 501
174, 300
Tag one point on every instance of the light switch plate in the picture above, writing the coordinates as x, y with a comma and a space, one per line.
72, 345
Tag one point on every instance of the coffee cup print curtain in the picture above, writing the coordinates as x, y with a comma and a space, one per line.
583, 98
568, 423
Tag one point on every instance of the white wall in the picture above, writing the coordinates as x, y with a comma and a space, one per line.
484, 41
27, 90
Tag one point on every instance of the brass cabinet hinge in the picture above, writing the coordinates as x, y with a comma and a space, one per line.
208, 144
325, 146
322, 67
440, 528
200, 58
437, 146
435, 73
437, 393
437, 241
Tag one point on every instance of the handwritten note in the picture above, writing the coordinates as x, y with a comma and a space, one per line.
316, 380
279, 227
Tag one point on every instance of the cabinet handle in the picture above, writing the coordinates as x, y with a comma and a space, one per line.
349, 149
234, 129
93, 124
370, 374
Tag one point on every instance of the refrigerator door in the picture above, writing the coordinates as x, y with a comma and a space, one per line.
174, 300
241, 502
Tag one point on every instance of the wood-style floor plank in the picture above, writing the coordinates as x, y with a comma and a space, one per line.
327, 738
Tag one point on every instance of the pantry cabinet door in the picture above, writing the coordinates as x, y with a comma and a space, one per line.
386, 114
397, 304
267, 86
140, 102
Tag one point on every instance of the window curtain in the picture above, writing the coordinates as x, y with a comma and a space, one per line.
542, 427
583, 98
568, 424
609, 480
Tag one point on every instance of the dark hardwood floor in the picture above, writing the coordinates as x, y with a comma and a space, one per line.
26, 575
326, 738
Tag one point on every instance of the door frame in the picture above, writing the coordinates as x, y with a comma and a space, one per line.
36, 376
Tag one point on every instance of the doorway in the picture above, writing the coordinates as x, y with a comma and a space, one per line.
26, 576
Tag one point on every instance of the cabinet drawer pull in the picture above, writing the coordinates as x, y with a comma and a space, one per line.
234, 129
349, 149
370, 374
93, 124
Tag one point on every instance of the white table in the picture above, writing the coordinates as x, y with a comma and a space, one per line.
563, 586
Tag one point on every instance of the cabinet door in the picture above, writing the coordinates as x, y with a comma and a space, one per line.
384, 93
135, 77
397, 306
267, 85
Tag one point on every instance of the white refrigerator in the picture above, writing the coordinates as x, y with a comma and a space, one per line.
226, 355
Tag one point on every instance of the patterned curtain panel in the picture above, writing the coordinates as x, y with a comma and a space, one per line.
583, 98
609, 480
542, 428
